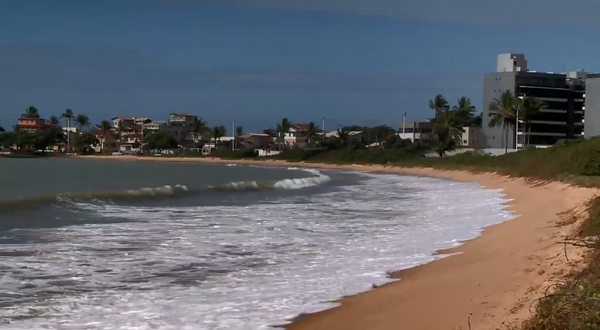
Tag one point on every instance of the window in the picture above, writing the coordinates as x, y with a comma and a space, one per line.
465, 142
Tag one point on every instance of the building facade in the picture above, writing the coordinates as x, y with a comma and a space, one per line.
33, 125
592, 108
562, 93
472, 137
181, 127
416, 131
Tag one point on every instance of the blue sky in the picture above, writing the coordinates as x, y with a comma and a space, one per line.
256, 61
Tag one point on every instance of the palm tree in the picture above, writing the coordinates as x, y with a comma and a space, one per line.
121, 128
503, 112
343, 136
448, 129
282, 130
105, 127
531, 107
438, 104
54, 120
2, 129
217, 133
465, 111
199, 128
311, 133
68, 116
31, 112
239, 131
83, 121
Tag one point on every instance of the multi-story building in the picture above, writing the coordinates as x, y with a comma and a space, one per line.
592, 108
33, 125
563, 94
472, 137
181, 127
416, 131
155, 125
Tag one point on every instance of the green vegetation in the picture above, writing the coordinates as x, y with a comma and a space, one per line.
159, 141
31, 112
85, 142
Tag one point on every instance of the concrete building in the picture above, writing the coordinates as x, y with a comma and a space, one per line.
181, 127
563, 94
33, 125
416, 131
592, 108
155, 126
472, 137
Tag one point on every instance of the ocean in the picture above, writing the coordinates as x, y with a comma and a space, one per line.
105, 244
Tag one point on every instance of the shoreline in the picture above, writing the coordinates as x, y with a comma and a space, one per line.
488, 283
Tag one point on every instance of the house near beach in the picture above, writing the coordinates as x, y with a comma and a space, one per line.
297, 135
33, 125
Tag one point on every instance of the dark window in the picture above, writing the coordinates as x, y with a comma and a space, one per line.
465, 141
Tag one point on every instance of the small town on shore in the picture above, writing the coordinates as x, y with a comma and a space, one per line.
522, 109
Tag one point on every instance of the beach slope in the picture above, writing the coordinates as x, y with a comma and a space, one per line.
489, 282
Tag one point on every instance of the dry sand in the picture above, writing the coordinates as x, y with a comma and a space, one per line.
491, 283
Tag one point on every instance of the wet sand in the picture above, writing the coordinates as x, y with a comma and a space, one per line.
491, 282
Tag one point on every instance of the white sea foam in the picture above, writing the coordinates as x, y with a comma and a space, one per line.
163, 190
240, 267
318, 179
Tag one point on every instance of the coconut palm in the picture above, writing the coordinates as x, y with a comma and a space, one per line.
311, 133
68, 116
503, 113
438, 104
465, 111
31, 112
83, 121
282, 130
344, 136
448, 130
199, 128
217, 133
239, 131
105, 128
531, 107
2, 129
54, 120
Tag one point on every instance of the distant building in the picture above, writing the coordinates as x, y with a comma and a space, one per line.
563, 93
127, 120
33, 125
472, 137
256, 141
181, 127
155, 126
297, 135
592, 108
416, 131
353, 135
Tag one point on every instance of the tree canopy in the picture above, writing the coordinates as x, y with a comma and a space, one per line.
31, 112
159, 140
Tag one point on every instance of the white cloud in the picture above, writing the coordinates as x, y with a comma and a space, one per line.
494, 12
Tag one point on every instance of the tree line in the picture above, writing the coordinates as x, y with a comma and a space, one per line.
51, 135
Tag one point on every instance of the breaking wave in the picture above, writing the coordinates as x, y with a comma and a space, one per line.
168, 191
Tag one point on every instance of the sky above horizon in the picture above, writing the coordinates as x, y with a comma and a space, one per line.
257, 61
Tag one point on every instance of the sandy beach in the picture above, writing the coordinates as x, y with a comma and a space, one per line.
490, 282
